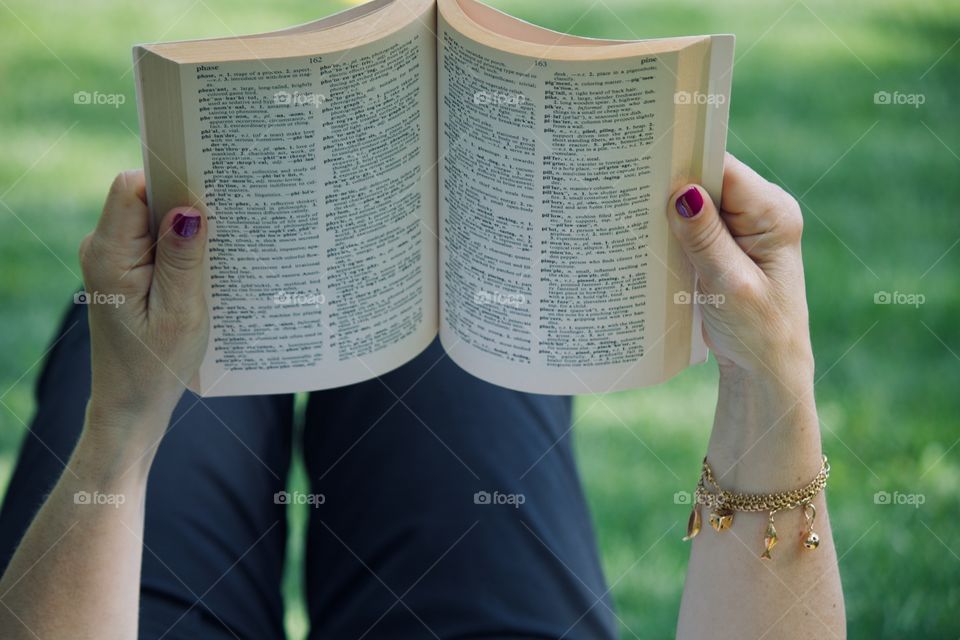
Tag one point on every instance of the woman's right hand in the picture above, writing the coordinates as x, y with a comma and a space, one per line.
148, 315
747, 256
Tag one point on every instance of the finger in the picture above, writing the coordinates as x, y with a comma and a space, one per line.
125, 214
751, 205
178, 267
705, 239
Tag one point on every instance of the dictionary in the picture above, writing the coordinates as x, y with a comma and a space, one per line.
408, 169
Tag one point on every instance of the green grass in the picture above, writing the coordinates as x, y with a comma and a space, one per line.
880, 187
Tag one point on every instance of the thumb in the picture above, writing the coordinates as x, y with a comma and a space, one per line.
178, 266
705, 238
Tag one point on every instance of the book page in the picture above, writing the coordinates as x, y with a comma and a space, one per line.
558, 273
317, 176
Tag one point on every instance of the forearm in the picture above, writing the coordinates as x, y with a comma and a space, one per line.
765, 439
76, 573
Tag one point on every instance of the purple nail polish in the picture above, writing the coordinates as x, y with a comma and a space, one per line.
186, 226
690, 203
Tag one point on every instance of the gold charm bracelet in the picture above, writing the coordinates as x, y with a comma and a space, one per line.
723, 504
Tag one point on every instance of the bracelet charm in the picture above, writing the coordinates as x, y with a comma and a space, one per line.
769, 538
812, 540
693, 523
722, 519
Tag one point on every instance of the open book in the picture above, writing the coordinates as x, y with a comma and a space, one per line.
409, 168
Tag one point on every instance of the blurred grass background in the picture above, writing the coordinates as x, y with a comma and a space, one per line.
879, 186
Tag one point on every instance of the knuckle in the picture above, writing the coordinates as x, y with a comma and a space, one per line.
786, 216
83, 253
791, 216
123, 189
742, 287
792, 228
119, 184
180, 266
95, 254
706, 235
92, 258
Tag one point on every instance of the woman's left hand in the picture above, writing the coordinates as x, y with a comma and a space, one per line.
148, 315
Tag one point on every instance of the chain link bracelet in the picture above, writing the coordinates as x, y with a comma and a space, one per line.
723, 504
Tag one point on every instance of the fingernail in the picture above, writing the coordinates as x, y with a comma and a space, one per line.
690, 203
186, 224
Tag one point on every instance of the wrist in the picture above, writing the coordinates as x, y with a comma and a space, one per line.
766, 435
116, 405
122, 437
781, 374
779, 388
